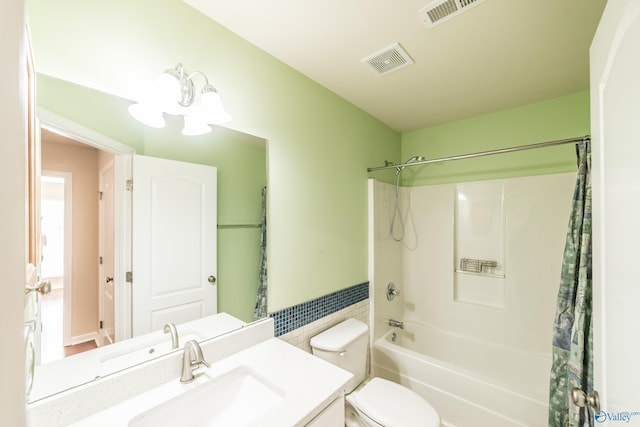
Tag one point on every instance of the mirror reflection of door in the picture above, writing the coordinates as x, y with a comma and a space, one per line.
106, 276
71, 313
174, 242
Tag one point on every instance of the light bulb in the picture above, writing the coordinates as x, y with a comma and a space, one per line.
195, 126
147, 114
212, 110
167, 92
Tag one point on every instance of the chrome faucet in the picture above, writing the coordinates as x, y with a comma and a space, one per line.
170, 328
192, 358
396, 323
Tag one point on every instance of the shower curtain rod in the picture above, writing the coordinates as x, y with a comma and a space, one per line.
484, 153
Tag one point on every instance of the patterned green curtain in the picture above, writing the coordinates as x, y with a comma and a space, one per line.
261, 301
572, 329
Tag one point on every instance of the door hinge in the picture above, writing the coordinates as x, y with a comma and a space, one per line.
100, 260
101, 324
129, 185
100, 194
129, 277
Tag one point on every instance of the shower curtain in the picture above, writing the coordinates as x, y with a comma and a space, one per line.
572, 329
261, 301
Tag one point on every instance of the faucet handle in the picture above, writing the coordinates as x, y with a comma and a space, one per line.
392, 292
197, 352
192, 358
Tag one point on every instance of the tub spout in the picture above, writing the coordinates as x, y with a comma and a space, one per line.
396, 323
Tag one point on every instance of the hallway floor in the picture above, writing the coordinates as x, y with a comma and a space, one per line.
52, 348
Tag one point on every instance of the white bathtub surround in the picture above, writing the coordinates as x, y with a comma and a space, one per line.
515, 315
479, 230
300, 337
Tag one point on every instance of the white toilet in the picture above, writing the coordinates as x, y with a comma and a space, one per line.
379, 403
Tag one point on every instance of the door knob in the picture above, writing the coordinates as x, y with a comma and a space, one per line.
43, 287
212, 279
109, 279
582, 399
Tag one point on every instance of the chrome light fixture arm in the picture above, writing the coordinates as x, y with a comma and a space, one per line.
175, 93
187, 89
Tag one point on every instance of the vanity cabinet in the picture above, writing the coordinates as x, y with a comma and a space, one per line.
331, 416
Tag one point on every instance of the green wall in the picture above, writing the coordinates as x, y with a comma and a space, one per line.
558, 118
319, 145
102, 112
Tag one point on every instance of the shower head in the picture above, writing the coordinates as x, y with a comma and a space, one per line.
416, 159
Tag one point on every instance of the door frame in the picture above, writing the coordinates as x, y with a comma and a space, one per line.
103, 338
67, 282
123, 155
615, 184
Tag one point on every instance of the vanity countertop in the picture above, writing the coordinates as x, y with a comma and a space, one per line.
308, 384
82, 368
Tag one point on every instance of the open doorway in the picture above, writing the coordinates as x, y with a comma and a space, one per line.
55, 226
70, 204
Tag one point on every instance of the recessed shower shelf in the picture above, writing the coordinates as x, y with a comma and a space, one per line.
496, 276
479, 267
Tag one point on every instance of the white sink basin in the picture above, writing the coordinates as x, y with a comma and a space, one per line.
236, 398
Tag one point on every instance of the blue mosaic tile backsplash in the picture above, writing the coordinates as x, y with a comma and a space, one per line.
302, 314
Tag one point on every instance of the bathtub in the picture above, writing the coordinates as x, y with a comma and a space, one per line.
470, 382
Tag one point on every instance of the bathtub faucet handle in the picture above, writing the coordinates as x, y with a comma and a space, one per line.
392, 292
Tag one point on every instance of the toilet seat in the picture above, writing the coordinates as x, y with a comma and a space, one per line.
392, 405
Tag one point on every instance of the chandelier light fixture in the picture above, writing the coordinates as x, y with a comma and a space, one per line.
175, 93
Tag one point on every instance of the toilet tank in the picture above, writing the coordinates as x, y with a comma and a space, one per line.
345, 345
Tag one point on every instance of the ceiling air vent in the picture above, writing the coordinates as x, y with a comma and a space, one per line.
439, 11
390, 59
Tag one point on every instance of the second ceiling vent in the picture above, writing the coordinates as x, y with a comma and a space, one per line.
441, 10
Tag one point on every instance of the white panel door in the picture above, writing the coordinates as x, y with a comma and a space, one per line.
174, 242
106, 270
615, 122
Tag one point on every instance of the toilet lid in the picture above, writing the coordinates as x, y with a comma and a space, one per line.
393, 405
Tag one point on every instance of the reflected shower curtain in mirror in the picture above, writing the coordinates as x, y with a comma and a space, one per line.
261, 301
572, 329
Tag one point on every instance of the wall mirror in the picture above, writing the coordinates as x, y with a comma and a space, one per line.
73, 163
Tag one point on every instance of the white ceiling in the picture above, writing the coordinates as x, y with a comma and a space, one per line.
496, 55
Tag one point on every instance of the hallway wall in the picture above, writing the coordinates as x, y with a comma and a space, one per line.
82, 162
